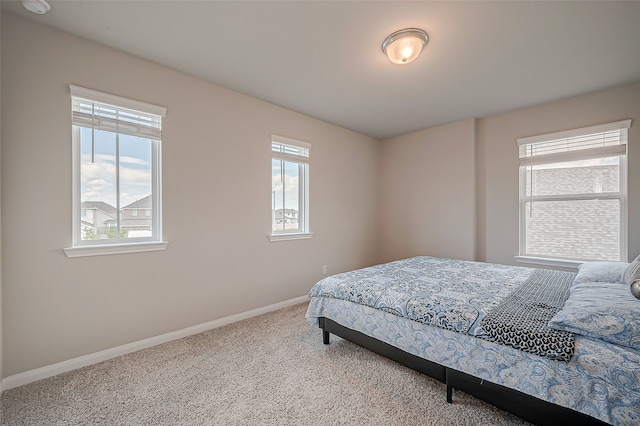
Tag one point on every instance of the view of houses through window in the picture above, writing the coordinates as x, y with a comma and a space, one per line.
115, 185
574, 228
99, 220
285, 191
285, 219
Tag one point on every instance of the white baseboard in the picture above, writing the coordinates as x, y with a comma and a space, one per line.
94, 358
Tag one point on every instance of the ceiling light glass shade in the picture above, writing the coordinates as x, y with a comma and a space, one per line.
36, 6
404, 46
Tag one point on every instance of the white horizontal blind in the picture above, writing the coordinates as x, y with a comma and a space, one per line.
286, 149
101, 111
600, 141
113, 119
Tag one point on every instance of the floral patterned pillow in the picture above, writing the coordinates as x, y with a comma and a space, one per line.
605, 272
606, 311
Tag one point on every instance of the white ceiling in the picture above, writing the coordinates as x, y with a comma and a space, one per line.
323, 58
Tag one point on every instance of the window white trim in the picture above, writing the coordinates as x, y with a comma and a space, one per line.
571, 146
106, 249
290, 236
624, 209
545, 261
145, 122
293, 151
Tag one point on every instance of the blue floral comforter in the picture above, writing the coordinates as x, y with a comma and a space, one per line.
447, 293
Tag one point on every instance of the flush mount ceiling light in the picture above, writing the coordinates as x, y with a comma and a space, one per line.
404, 46
36, 6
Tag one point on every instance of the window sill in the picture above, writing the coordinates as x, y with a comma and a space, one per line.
544, 261
292, 236
106, 249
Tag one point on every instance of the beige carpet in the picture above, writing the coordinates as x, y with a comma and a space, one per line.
268, 370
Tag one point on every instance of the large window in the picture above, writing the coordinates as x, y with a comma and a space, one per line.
573, 191
289, 188
116, 172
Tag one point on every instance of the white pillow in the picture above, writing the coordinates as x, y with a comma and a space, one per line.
602, 272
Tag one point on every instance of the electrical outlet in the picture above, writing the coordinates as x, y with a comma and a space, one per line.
324, 269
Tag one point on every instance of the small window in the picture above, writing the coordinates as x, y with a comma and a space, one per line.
116, 162
289, 188
573, 191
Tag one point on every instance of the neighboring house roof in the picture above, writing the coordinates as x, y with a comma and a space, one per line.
86, 224
99, 205
143, 203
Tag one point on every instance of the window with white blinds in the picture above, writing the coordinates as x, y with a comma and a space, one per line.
116, 172
289, 188
573, 192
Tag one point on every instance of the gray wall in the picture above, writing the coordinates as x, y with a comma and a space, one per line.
427, 193
216, 162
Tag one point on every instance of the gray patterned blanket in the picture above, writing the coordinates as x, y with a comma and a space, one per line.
521, 319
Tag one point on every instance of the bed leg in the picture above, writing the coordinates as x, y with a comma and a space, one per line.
325, 333
449, 387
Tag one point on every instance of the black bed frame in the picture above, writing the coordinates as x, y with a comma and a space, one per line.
522, 405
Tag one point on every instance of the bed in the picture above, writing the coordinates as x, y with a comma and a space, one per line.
552, 347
